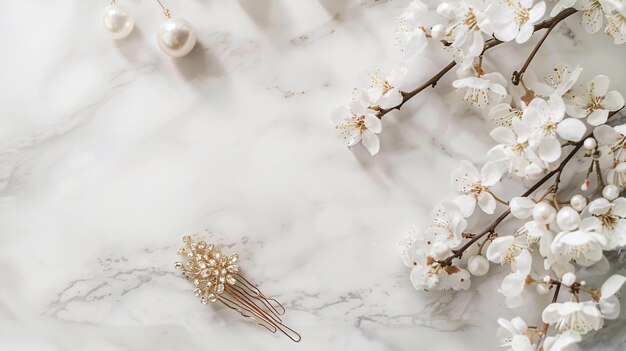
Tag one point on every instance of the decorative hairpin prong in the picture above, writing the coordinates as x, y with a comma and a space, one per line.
216, 278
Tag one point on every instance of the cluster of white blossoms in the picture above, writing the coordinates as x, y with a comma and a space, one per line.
467, 29
553, 240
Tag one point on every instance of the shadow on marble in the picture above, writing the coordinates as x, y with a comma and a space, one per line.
132, 45
199, 64
266, 14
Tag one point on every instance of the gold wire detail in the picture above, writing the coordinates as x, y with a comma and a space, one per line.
166, 11
216, 278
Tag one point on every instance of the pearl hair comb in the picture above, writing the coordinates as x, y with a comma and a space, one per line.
216, 278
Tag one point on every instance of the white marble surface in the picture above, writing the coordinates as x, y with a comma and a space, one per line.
110, 151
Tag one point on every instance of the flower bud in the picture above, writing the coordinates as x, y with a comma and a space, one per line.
590, 143
578, 202
478, 265
568, 279
438, 32
543, 213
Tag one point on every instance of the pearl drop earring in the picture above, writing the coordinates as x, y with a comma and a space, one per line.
117, 20
176, 36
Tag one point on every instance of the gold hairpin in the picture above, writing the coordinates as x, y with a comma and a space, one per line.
216, 278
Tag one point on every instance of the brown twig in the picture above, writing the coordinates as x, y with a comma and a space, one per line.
492, 227
407, 95
517, 75
544, 330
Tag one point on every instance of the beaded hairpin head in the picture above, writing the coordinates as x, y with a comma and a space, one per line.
217, 279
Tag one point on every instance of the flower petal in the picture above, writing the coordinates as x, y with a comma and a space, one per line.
571, 129
612, 285
598, 117
549, 149
605, 134
373, 123
467, 204
371, 142
486, 202
613, 100
535, 13
503, 135
599, 85
498, 246
525, 32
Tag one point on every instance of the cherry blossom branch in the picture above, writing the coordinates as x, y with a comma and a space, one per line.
544, 330
490, 43
492, 227
517, 75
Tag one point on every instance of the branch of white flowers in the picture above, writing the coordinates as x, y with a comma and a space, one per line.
517, 75
544, 331
491, 228
432, 82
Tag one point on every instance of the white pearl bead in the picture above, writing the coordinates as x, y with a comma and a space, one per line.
543, 213
176, 37
478, 265
590, 143
118, 21
568, 218
578, 202
610, 192
568, 279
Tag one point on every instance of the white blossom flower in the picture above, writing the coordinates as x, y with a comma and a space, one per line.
475, 185
515, 19
359, 124
435, 277
482, 90
460, 280
512, 335
503, 114
562, 342
609, 303
467, 22
593, 16
612, 143
427, 278
514, 147
579, 317
410, 34
559, 82
617, 175
584, 247
447, 223
616, 20
546, 119
594, 103
506, 249
385, 91
513, 284
608, 219
562, 5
